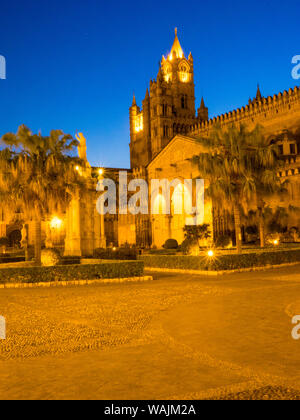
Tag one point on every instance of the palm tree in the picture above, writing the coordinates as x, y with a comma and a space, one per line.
38, 175
276, 219
197, 233
264, 162
239, 166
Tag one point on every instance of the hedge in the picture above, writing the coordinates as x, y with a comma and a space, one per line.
9, 259
127, 254
162, 252
221, 262
108, 270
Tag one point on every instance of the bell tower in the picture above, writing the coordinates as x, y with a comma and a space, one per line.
168, 108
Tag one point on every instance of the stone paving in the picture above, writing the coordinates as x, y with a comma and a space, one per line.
178, 337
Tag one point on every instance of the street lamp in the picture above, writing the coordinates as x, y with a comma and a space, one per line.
56, 223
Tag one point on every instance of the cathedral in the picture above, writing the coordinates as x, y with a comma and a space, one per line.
164, 136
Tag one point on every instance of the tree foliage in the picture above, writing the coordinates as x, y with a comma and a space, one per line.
241, 167
37, 173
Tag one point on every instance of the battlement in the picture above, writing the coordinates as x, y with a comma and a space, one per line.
257, 111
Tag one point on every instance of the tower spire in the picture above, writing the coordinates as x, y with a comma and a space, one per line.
258, 93
203, 111
176, 51
134, 100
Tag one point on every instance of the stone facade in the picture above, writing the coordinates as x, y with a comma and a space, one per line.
163, 139
164, 136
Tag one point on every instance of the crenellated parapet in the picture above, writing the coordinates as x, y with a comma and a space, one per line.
260, 111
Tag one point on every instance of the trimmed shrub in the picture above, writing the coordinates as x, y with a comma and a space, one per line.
222, 262
162, 251
186, 246
171, 244
50, 257
107, 270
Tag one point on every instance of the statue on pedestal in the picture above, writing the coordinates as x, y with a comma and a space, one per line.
82, 148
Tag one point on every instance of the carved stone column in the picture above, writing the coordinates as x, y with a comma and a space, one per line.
73, 229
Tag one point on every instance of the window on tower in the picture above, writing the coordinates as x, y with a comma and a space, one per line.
292, 149
166, 131
139, 123
183, 73
184, 101
168, 73
165, 110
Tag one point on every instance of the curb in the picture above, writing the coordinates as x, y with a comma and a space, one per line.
219, 273
73, 283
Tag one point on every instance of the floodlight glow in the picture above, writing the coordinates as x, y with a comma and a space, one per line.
56, 223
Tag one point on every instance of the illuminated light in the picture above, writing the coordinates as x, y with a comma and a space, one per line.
114, 248
56, 223
276, 242
168, 77
101, 171
77, 168
210, 253
139, 123
184, 77
167, 72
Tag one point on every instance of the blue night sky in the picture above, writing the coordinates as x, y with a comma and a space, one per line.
74, 64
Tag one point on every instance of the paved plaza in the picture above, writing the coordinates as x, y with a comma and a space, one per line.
177, 337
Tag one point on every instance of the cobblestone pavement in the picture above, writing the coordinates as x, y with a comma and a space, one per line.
176, 337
